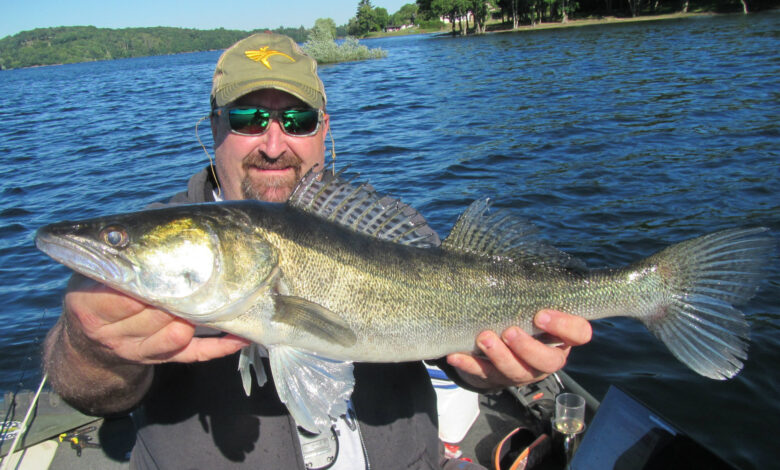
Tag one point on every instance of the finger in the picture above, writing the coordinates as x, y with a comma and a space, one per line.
478, 372
533, 354
197, 349
478, 368
95, 305
137, 328
571, 329
164, 343
149, 321
206, 349
499, 354
514, 357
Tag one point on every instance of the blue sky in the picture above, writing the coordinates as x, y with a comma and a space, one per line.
21, 15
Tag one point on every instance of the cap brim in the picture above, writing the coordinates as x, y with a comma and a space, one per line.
233, 92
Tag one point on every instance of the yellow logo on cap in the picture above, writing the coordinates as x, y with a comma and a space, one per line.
261, 55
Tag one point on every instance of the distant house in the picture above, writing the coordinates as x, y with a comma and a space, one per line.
467, 17
391, 29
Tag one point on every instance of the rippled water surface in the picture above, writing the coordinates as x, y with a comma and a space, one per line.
615, 140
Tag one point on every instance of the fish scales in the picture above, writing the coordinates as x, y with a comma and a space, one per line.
410, 303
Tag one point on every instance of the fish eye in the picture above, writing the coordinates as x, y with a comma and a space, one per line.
115, 237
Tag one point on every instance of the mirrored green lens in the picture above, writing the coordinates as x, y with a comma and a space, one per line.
255, 121
300, 121
249, 121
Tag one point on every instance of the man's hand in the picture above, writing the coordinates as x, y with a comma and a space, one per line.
516, 358
118, 325
99, 354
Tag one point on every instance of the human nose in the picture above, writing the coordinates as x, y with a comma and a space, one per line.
274, 140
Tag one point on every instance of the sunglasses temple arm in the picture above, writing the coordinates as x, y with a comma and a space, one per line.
332, 150
211, 161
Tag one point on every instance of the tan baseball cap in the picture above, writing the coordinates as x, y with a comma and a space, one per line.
266, 60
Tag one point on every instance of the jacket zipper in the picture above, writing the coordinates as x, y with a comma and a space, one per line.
353, 421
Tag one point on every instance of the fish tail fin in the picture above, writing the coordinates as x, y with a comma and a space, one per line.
705, 278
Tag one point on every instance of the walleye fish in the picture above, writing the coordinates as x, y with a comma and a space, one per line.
341, 274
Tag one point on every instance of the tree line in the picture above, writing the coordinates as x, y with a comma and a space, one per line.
531, 12
369, 18
474, 15
70, 44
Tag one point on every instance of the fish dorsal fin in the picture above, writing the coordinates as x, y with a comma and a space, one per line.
360, 208
499, 234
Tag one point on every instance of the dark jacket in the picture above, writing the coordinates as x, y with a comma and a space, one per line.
198, 416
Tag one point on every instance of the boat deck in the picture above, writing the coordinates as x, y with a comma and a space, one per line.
499, 415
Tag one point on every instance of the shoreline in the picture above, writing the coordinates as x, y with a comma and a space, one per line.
571, 23
604, 20
491, 28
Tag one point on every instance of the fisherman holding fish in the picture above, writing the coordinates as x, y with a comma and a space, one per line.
110, 353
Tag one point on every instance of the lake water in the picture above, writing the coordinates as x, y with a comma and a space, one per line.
615, 140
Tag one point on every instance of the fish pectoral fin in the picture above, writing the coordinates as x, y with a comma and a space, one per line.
312, 318
313, 388
250, 357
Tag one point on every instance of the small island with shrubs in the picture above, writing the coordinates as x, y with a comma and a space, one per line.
321, 45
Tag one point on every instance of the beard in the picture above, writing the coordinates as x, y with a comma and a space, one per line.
271, 188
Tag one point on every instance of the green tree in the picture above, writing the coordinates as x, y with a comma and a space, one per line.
352, 27
323, 29
633, 5
454, 10
368, 19
425, 10
381, 19
365, 18
407, 14
516, 9
546, 8
65, 45
480, 9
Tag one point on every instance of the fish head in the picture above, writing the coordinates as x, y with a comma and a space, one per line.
189, 260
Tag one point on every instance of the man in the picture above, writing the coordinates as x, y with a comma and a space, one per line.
110, 353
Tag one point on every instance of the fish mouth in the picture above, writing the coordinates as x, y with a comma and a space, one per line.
83, 255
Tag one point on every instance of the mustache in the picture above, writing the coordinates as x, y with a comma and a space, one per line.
264, 162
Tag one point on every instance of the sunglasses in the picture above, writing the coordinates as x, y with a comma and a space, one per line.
252, 120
